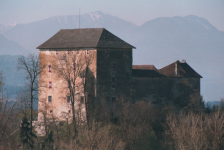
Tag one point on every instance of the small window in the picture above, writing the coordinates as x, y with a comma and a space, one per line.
68, 99
49, 68
74, 66
107, 51
113, 99
49, 98
56, 52
82, 100
77, 52
133, 85
69, 111
68, 52
50, 84
114, 66
113, 85
87, 51
126, 52
113, 82
51, 111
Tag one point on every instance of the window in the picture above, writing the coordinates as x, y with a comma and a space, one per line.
87, 51
56, 52
114, 66
113, 82
126, 52
107, 51
68, 99
69, 111
74, 66
51, 111
82, 100
133, 85
113, 85
49, 68
49, 99
50, 84
68, 52
77, 52
113, 99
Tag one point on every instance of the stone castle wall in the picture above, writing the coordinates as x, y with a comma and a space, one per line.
59, 108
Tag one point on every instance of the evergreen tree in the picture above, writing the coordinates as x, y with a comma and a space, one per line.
26, 134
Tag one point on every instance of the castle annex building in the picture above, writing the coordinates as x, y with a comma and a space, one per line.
98, 66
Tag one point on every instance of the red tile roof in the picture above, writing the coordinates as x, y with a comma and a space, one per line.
150, 71
146, 73
184, 70
144, 67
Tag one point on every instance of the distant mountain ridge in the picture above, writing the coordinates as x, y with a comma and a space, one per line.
160, 41
12, 77
11, 47
33, 34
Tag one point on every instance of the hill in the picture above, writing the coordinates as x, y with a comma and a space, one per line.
9, 47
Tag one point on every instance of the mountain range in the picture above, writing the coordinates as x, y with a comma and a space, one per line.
160, 41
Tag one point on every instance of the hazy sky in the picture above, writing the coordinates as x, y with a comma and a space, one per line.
135, 11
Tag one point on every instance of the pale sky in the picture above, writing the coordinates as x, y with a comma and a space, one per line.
135, 11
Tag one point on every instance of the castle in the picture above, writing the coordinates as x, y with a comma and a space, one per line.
98, 66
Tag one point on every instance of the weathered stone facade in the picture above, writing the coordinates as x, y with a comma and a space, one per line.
53, 87
111, 76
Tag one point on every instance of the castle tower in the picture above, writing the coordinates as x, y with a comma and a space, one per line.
97, 63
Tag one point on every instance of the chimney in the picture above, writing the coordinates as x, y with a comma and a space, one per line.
177, 67
183, 61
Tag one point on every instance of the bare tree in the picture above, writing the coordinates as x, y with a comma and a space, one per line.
7, 112
196, 131
73, 69
32, 70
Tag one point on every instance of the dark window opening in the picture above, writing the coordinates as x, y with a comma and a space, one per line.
74, 66
113, 99
82, 100
77, 52
68, 99
113, 66
69, 111
87, 51
50, 84
126, 52
49, 68
56, 52
113, 80
133, 85
51, 111
49, 98
68, 52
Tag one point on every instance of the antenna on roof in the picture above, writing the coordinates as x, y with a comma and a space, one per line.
79, 17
